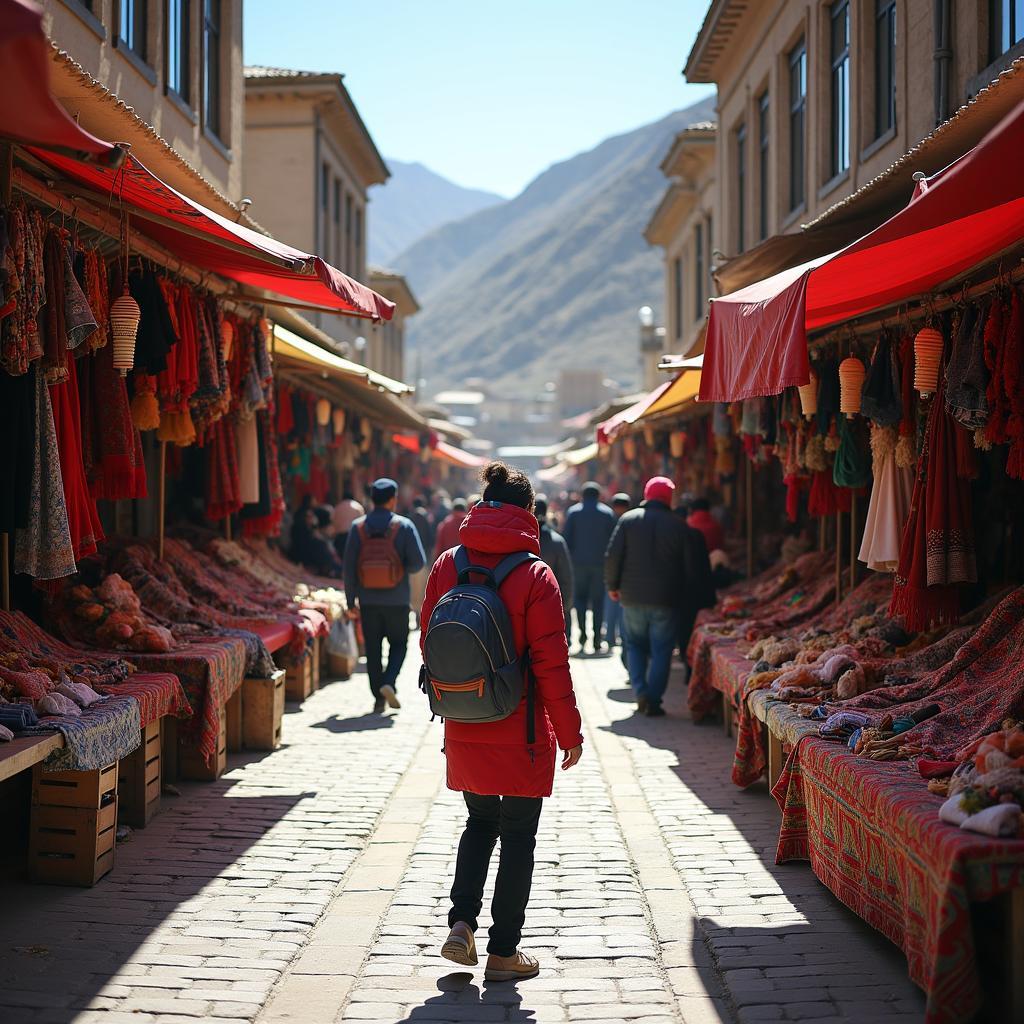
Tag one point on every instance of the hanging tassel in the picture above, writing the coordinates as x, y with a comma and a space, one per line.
905, 454
145, 410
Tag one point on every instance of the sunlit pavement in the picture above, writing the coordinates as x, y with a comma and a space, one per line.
310, 885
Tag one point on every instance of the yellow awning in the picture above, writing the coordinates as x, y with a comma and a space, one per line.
680, 392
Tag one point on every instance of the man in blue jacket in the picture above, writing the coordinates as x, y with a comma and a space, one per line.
382, 548
588, 529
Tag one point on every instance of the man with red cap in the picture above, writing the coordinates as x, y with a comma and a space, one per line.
651, 570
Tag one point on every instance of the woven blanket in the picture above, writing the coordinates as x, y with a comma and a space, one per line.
158, 694
105, 732
873, 836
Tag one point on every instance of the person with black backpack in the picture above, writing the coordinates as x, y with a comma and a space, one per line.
496, 669
382, 552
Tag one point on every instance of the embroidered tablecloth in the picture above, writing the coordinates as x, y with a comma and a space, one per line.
158, 694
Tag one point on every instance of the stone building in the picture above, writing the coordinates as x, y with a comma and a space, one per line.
385, 349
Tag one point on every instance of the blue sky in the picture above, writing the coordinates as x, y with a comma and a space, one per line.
489, 92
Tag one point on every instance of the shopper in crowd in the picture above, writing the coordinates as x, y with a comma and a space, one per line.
700, 518
424, 523
346, 512
588, 529
448, 529
621, 504
650, 568
502, 777
309, 545
555, 552
382, 553
702, 593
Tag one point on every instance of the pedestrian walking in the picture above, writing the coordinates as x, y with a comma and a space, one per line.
423, 521
448, 529
700, 518
650, 568
588, 529
382, 552
346, 512
613, 630
701, 592
555, 552
504, 767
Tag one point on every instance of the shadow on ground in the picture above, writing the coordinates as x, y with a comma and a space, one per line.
460, 991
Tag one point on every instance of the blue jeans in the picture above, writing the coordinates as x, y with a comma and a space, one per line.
588, 592
613, 628
651, 633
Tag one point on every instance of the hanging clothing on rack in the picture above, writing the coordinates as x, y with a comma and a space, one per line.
889, 504
24, 289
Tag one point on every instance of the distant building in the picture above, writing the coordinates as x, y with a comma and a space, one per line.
580, 389
308, 163
385, 350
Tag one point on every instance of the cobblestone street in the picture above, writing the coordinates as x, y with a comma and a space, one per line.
310, 885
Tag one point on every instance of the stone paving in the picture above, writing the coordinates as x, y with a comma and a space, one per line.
310, 885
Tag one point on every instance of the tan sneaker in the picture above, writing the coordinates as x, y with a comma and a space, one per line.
511, 968
460, 946
388, 693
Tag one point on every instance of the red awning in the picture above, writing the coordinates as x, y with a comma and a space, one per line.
207, 240
29, 112
408, 442
607, 430
457, 457
956, 220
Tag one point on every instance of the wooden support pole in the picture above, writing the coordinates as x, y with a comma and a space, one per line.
161, 492
5, 572
227, 526
839, 555
853, 540
750, 519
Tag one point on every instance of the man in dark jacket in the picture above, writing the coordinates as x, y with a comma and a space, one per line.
588, 529
384, 611
555, 552
652, 570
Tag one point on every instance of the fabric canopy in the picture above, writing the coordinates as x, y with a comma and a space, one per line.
30, 113
956, 220
607, 431
211, 242
681, 391
457, 457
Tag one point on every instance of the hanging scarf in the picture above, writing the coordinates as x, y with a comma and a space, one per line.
825, 498
967, 376
55, 334
852, 466
880, 399
828, 394
24, 290
79, 320
888, 506
285, 421
1013, 387
97, 293
906, 448
222, 483
994, 342
937, 550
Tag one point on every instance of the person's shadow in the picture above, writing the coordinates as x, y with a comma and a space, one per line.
459, 990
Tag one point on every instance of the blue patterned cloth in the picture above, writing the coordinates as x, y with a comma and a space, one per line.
106, 731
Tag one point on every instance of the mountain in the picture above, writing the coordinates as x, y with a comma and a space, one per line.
549, 279
413, 202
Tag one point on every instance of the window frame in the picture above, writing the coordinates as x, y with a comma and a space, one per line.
698, 269
885, 27
139, 17
184, 23
211, 86
796, 67
677, 297
763, 165
1008, 37
840, 92
740, 137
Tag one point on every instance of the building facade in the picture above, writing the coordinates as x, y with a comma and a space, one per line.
385, 348
175, 66
816, 98
308, 163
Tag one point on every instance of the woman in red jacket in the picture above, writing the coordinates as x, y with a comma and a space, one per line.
502, 779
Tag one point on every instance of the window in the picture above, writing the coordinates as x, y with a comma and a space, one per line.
131, 26
325, 181
698, 271
762, 166
178, 46
677, 297
797, 113
337, 222
840, 53
885, 66
211, 66
348, 234
358, 265
741, 188
1005, 26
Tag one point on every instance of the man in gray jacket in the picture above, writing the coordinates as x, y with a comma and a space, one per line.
652, 571
555, 552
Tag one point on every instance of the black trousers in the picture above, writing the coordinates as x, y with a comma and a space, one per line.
514, 819
384, 622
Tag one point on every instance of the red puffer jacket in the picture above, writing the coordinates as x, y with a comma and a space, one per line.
492, 758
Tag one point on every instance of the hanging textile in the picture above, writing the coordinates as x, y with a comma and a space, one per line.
906, 448
156, 331
285, 420
967, 375
825, 498
852, 467
43, 547
889, 504
79, 320
880, 399
1013, 387
97, 294
24, 289
264, 518
222, 483
83, 519
248, 460
18, 430
937, 548
994, 343
54, 330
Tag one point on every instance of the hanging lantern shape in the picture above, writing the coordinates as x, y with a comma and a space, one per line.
323, 412
677, 443
124, 327
629, 448
809, 396
851, 382
339, 422
649, 437
227, 338
927, 358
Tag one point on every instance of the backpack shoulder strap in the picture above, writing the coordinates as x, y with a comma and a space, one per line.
461, 560
510, 563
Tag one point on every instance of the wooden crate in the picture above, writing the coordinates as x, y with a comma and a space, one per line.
263, 712
341, 666
233, 715
298, 681
314, 662
91, 790
140, 779
192, 765
72, 845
